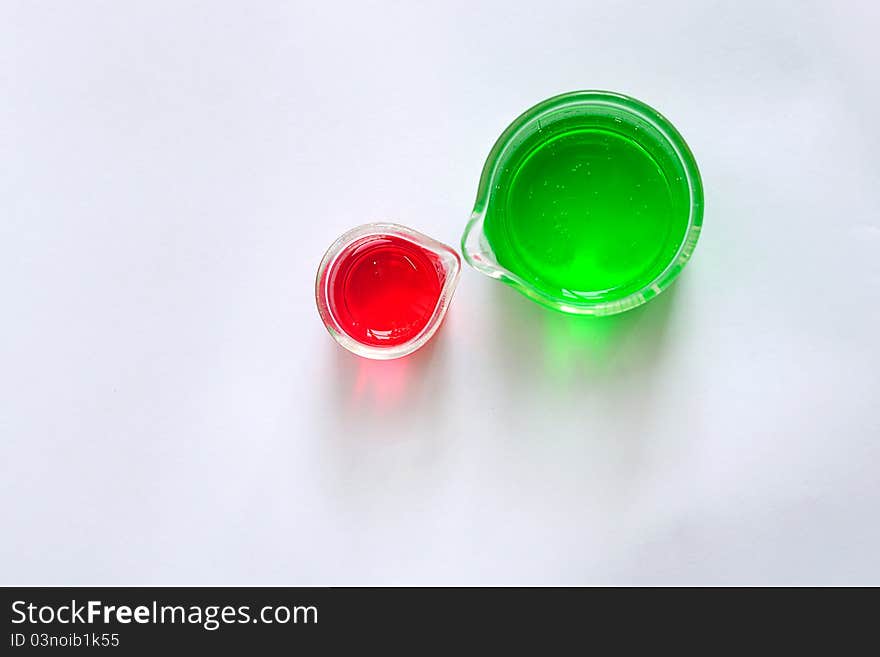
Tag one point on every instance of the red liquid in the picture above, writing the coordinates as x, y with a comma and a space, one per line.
383, 290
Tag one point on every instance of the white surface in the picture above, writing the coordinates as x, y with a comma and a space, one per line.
173, 410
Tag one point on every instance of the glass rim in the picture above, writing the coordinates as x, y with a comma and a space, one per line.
479, 255
448, 257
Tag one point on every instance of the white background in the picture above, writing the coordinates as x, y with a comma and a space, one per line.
173, 411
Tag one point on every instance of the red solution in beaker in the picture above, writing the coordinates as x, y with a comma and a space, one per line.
383, 290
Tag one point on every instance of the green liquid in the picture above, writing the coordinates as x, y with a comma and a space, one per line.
587, 214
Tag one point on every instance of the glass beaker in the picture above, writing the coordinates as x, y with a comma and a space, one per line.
383, 289
589, 203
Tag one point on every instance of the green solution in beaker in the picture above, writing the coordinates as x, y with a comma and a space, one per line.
587, 213
590, 203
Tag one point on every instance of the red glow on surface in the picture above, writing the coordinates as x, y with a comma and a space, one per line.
383, 290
